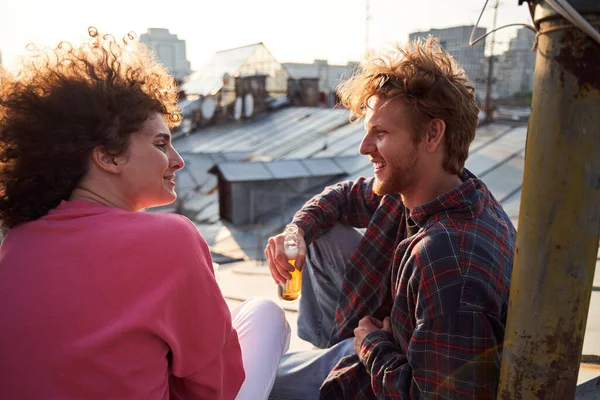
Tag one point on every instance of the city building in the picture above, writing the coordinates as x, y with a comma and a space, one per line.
233, 84
455, 40
513, 71
169, 49
329, 76
217, 76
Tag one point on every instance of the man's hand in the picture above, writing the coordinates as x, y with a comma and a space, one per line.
278, 262
367, 325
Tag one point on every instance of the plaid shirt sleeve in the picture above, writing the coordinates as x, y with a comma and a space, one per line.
350, 202
451, 357
443, 346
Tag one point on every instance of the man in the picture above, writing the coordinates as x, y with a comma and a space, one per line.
419, 310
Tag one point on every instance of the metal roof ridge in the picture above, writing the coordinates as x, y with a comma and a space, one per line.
240, 47
268, 166
284, 160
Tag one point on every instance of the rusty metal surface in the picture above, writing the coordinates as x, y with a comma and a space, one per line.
543, 11
559, 222
577, 54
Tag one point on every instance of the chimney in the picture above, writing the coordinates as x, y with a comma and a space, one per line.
251, 96
303, 91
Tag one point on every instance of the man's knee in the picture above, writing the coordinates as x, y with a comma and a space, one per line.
341, 236
334, 248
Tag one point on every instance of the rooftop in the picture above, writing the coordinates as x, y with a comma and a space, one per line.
312, 140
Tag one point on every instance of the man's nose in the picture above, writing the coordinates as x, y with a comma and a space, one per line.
366, 145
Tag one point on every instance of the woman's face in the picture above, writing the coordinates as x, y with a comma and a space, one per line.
148, 174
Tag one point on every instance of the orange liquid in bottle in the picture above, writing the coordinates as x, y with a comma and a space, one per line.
290, 291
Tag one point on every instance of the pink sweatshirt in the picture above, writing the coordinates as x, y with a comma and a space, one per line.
101, 303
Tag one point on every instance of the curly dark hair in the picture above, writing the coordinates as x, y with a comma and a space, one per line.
62, 104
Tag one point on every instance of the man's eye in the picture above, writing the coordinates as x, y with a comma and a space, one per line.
162, 145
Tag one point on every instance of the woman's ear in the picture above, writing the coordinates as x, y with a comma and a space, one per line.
106, 161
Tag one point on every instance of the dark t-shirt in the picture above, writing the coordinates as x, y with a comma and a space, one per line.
411, 227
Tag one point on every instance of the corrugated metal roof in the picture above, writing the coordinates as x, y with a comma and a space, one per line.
276, 135
297, 136
287, 169
496, 150
196, 174
278, 170
353, 164
216, 157
247, 136
512, 204
322, 167
506, 178
243, 171
319, 147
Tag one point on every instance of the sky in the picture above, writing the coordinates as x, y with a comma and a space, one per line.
293, 30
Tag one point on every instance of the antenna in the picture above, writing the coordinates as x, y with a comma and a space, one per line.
367, 25
490, 77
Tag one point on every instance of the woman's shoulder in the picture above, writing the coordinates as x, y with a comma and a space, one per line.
165, 224
165, 220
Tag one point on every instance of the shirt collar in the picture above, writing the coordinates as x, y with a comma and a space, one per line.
461, 202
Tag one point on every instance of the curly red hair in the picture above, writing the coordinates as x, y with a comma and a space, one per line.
63, 103
430, 83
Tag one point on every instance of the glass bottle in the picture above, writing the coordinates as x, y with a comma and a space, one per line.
290, 290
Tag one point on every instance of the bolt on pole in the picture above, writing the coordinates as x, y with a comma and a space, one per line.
559, 220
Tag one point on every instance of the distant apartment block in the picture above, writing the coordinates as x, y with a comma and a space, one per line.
514, 70
169, 49
455, 40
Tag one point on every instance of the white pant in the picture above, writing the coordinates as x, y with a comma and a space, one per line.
264, 336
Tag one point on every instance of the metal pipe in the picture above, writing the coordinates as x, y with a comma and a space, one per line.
489, 111
559, 219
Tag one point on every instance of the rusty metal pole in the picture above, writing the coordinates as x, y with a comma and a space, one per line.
559, 219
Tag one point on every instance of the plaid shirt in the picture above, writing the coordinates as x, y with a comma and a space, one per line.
446, 292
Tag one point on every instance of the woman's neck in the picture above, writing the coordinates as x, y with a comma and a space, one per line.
82, 193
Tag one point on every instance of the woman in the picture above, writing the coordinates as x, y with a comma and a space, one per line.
97, 299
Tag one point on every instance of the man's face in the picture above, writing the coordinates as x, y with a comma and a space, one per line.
390, 146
